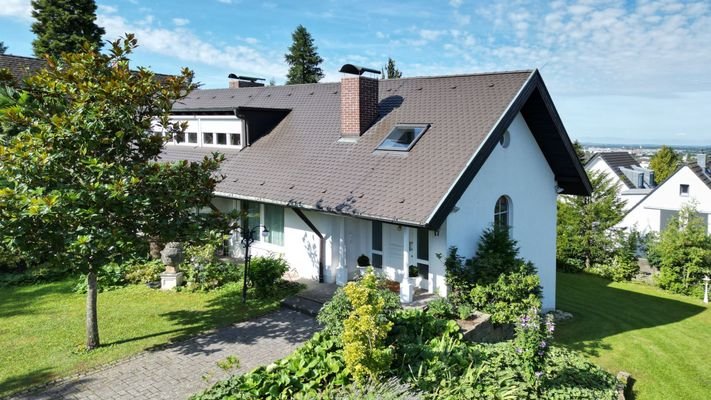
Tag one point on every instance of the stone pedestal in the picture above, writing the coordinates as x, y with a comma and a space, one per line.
407, 291
170, 280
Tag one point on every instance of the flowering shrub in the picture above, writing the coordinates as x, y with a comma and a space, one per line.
204, 271
532, 340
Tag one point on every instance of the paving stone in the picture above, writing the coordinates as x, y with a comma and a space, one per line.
176, 371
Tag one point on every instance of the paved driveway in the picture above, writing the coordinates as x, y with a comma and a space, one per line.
185, 368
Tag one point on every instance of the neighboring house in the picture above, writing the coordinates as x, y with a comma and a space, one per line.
20, 67
691, 183
398, 170
633, 181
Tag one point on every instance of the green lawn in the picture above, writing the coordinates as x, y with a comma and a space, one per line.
42, 326
663, 340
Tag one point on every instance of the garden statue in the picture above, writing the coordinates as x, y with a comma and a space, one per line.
172, 256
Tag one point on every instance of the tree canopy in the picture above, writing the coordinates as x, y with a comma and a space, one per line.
64, 26
303, 59
80, 180
584, 238
580, 151
390, 71
3, 48
664, 163
683, 252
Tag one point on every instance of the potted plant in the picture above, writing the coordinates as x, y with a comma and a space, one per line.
363, 264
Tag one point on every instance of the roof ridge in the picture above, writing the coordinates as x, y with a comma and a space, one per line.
25, 57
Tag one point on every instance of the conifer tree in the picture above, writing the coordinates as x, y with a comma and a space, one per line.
303, 59
390, 71
664, 163
64, 26
2, 48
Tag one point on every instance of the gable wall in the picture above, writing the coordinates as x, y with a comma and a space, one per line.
599, 165
521, 172
647, 215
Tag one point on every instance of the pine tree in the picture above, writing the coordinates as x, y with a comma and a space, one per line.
580, 151
664, 163
390, 71
64, 26
2, 48
303, 59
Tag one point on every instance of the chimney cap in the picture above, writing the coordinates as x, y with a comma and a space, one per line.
356, 69
244, 78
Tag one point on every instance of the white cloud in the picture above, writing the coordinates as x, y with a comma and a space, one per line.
251, 40
181, 21
430, 35
455, 3
185, 45
107, 9
653, 48
225, 1
21, 9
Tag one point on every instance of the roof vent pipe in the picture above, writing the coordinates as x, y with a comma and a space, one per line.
359, 100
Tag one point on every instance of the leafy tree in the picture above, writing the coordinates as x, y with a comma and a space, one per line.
3, 48
64, 26
390, 71
585, 223
79, 181
303, 59
664, 163
683, 252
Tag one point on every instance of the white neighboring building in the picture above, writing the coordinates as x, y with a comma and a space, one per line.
398, 170
689, 184
633, 181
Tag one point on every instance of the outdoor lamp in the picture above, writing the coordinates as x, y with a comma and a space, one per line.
706, 289
247, 240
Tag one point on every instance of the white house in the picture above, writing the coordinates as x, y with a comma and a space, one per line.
398, 170
689, 184
633, 181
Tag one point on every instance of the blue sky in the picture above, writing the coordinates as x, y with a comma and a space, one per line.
618, 71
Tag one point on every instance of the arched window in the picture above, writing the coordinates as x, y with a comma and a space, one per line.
502, 212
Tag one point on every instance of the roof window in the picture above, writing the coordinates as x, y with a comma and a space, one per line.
403, 137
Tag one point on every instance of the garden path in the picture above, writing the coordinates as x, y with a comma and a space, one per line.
179, 370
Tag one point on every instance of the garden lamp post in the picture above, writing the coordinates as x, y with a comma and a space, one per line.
706, 289
248, 237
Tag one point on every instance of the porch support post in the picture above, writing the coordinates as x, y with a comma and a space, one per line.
406, 289
341, 268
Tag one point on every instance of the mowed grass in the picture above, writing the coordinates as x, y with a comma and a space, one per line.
42, 326
663, 340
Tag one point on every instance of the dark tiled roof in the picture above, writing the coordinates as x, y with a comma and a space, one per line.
303, 164
696, 168
19, 66
617, 159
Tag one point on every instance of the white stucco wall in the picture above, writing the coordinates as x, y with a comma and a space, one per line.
646, 217
521, 172
597, 164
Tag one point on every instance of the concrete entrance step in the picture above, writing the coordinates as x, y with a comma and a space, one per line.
302, 304
310, 300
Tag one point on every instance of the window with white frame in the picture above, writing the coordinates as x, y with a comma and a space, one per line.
683, 190
264, 215
209, 131
376, 259
502, 212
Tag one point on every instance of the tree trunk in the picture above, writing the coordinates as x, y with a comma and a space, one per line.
92, 323
154, 246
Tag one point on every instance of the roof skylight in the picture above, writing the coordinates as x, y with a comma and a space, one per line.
403, 137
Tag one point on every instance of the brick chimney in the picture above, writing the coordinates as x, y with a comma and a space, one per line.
359, 101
